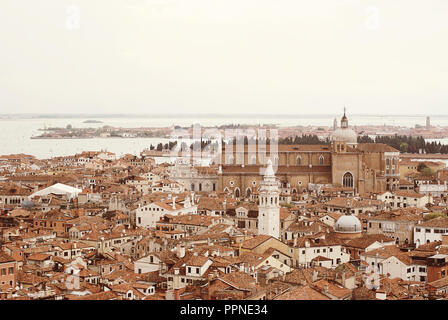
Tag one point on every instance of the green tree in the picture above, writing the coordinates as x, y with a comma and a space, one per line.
434, 215
404, 147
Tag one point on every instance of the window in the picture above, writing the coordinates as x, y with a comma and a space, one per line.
347, 180
299, 161
237, 192
321, 160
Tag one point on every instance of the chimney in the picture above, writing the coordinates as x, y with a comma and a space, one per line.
181, 251
444, 241
326, 288
314, 277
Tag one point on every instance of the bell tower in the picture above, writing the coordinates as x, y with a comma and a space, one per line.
344, 121
269, 206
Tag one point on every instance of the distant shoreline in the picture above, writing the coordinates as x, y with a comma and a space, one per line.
203, 116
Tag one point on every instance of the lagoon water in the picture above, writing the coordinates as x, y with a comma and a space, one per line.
15, 133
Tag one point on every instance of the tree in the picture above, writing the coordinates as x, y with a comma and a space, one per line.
422, 166
404, 147
434, 215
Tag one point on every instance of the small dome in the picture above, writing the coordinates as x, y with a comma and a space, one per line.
346, 135
348, 224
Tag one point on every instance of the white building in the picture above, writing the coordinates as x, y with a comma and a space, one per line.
404, 199
307, 251
435, 190
269, 206
60, 189
430, 231
148, 215
402, 266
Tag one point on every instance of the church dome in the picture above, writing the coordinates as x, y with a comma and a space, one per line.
345, 135
348, 224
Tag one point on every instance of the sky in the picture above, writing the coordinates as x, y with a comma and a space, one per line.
224, 56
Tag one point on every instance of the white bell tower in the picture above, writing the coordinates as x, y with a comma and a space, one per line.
269, 207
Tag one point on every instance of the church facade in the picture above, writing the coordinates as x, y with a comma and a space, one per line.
364, 167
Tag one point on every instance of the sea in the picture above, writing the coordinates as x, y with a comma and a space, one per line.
16, 133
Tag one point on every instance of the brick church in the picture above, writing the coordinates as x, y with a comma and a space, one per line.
364, 167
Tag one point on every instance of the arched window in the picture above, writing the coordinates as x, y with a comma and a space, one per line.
200, 187
347, 180
248, 192
299, 160
321, 160
253, 160
230, 160
237, 192
276, 161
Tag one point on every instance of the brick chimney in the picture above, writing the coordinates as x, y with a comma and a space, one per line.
174, 203
444, 240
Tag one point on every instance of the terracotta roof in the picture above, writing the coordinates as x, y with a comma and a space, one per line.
302, 293
255, 241
106, 295
333, 289
4, 257
367, 239
439, 222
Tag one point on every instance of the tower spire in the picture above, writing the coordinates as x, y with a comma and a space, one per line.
344, 120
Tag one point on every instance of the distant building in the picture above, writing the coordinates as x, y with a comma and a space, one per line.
362, 167
428, 122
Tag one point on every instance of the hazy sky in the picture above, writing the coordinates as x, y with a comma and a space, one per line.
225, 56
